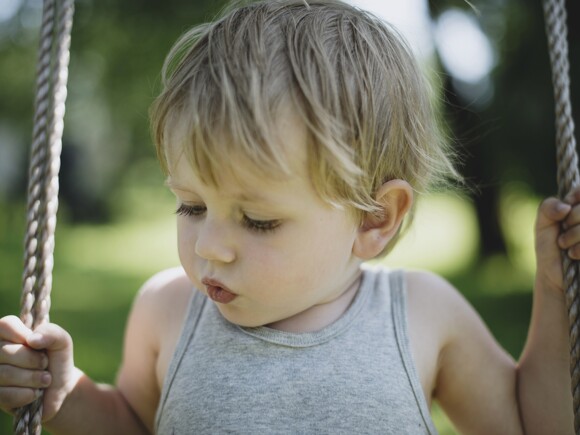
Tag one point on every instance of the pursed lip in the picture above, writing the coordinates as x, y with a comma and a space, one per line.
211, 282
217, 291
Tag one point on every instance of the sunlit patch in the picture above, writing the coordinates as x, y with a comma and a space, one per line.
518, 207
443, 237
410, 17
464, 48
9, 8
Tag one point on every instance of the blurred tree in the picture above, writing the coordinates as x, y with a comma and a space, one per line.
511, 136
116, 56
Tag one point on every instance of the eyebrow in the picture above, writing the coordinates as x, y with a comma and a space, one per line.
171, 185
240, 196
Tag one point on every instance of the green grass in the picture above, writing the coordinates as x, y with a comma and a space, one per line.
98, 270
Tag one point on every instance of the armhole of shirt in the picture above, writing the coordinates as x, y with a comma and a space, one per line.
194, 309
398, 290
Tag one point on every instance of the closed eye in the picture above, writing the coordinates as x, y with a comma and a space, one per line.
261, 226
190, 210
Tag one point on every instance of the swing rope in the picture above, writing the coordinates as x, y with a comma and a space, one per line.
567, 172
42, 202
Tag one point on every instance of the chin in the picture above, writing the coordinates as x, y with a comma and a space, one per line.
239, 318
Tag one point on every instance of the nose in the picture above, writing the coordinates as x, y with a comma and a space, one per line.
214, 242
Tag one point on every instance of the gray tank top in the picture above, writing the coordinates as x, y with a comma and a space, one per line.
356, 376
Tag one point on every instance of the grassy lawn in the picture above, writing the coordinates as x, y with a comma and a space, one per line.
98, 270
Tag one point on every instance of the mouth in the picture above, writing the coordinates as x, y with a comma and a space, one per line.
217, 291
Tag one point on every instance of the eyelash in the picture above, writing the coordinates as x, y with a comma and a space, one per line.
251, 224
189, 210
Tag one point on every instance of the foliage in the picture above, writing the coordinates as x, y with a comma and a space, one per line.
509, 138
116, 56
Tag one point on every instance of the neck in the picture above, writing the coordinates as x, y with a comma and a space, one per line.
319, 316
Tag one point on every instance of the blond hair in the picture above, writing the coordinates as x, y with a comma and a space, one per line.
348, 75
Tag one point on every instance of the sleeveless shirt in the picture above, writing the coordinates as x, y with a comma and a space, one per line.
355, 376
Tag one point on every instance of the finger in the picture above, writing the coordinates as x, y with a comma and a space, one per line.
569, 240
12, 398
574, 252
12, 329
50, 337
58, 345
573, 197
22, 356
11, 376
573, 217
552, 210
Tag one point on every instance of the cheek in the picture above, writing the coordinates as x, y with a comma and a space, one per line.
269, 266
186, 237
305, 257
330, 250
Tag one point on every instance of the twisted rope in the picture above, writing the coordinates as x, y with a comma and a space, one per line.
42, 204
567, 173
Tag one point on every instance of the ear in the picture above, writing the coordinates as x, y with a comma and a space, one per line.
395, 198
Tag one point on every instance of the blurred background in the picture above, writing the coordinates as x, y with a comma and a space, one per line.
487, 61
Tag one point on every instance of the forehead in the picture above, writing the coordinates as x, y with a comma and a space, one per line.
243, 184
222, 159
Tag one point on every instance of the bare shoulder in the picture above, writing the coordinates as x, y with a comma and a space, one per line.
164, 295
151, 334
460, 363
160, 309
427, 291
169, 281
432, 304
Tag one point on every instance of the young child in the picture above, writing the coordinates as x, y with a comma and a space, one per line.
295, 136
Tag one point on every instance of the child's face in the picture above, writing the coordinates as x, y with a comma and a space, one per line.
274, 244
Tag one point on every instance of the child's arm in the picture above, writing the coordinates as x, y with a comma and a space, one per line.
474, 379
544, 382
477, 383
92, 408
73, 403
152, 331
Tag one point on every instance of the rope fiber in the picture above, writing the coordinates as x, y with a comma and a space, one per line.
42, 199
567, 172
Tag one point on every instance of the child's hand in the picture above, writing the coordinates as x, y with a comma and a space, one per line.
557, 229
34, 360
